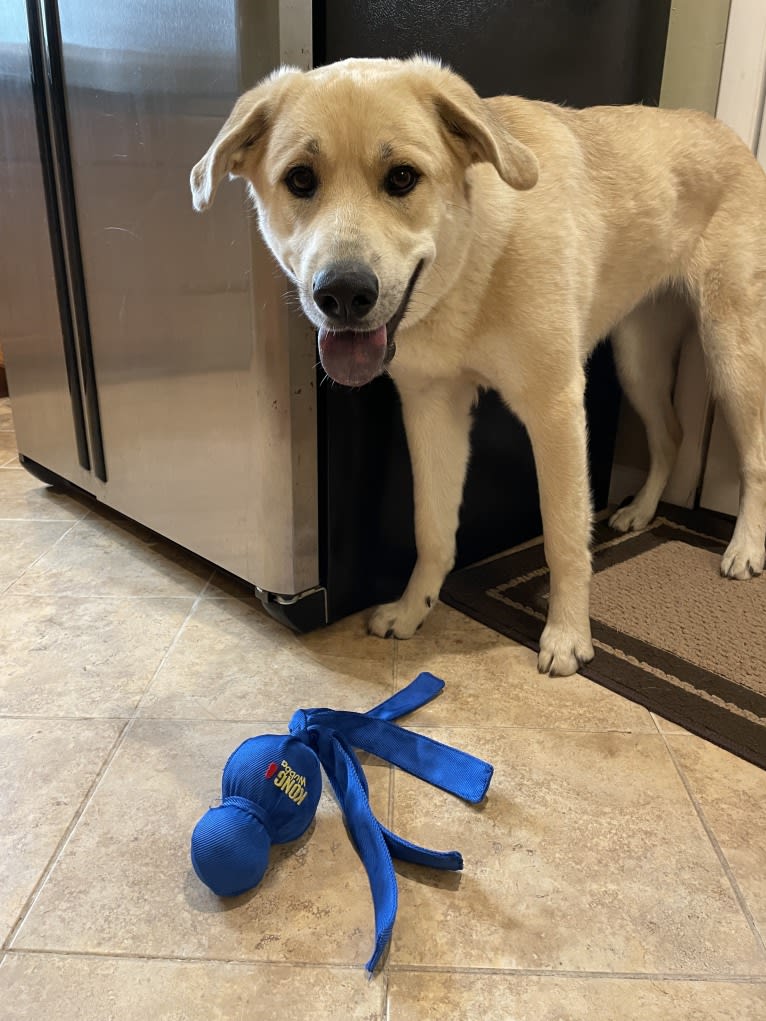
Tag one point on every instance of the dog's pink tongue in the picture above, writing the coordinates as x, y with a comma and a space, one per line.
353, 358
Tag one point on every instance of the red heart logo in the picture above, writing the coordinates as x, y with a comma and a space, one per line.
271, 770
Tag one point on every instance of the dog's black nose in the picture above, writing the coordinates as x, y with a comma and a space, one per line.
345, 291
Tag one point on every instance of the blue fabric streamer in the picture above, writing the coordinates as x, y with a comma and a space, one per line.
334, 734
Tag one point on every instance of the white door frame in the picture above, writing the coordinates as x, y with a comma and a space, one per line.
704, 450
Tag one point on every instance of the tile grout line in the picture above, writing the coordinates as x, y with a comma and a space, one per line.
102, 597
69, 719
384, 1002
197, 600
66, 836
34, 521
120, 955
633, 976
394, 664
276, 719
655, 721
628, 976
723, 860
384, 992
529, 728
45, 553
195, 720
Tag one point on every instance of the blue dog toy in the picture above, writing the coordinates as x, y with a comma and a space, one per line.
271, 787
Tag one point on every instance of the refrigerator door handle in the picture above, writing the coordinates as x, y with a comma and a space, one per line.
45, 13
55, 230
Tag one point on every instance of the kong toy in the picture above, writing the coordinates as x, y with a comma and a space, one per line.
271, 787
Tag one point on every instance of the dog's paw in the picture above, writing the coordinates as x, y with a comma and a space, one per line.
563, 651
742, 560
397, 620
632, 518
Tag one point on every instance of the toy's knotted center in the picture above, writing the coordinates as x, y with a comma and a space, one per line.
299, 723
255, 811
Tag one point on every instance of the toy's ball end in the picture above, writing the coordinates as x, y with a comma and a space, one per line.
229, 850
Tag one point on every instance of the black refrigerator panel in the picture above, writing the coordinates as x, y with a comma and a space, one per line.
578, 52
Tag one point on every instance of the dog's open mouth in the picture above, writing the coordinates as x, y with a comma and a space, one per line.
354, 357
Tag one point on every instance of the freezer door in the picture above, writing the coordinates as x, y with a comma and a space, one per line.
36, 327
206, 377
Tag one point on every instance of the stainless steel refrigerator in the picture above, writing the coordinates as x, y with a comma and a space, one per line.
155, 358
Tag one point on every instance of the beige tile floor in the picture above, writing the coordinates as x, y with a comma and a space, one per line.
616, 871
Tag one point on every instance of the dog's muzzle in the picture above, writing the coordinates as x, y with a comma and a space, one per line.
354, 357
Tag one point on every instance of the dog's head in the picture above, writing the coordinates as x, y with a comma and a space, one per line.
358, 173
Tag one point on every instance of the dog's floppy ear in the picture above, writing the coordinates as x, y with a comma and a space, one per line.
245, 127
468, 119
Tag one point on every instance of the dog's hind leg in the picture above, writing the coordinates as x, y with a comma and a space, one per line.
437, 419
645, 345
736, 356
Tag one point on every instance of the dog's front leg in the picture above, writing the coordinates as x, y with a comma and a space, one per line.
557, 427
437, 419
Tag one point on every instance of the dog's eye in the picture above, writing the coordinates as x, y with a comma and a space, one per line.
301, 181
401, 180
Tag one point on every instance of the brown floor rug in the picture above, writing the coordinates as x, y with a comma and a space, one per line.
669, 632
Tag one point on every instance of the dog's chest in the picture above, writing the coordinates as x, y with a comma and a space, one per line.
442, 350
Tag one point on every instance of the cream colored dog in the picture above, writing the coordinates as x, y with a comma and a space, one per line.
459, 243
